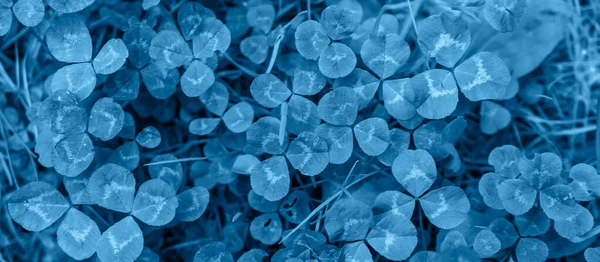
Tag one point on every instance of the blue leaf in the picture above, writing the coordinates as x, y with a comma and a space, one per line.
244, 163
149, 137
444, 37
269, 91
70, 119
517, 196
308, 153
127, 155
372, 136
575, 225
442, 93
494, 117
261, 17
155, 203
213, 251
236, 21
197, 79
363, 83
446, 207
123, 241
483, 76
77, 235
399, 141
504, 15
128, 130
393, 203
106, 119
112, 186
394, 238
160, 82
429, 138
189, 17
302, 115
337, 60
169, 49
137, 39
255, 48
424, 256
401, 100
504, 231
338, 107
147, 4
123, 85
111, 57
356, 251
533, 223
216, 98
263, 136
192, 203
69, 40
541, 172
415, 170
239, 117
557, 202
348, 220
592, 254
73, 154
486, 244
203, 126
384, 55
339, 22
339, 140
505, 160
36, 206
387, 25
271, 179
266, 228
77, 189
454, 240
531, 249
586, 182
259, 203
253, 255
308, 80
29, 12
221, 169
311, 39
69, 6
212, 36
78, 79
171, 173
295, 207
489, 185
304, 237
5, 19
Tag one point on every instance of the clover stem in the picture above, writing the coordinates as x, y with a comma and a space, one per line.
283, 124
384, 8
187, 159
407, 22
422, 240
241, 67
598, 134
275, 52
325, 203
308, 8
10, 165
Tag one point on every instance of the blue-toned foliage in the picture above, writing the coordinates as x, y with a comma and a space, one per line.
112, 186
78, 235
123, 241
37, 205
155, 203
291, 131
